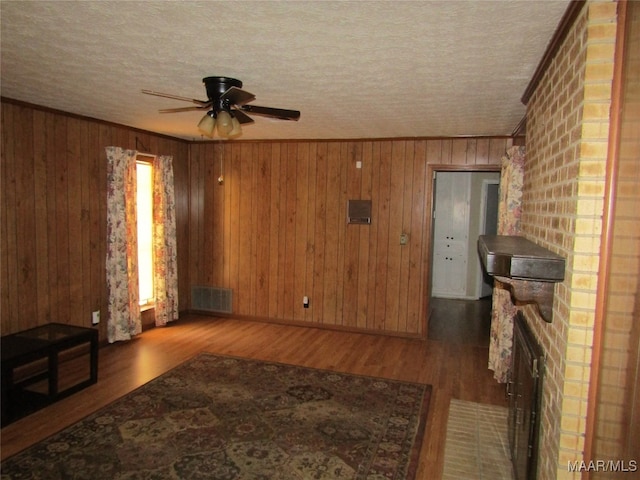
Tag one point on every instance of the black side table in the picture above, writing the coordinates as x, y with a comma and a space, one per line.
43, 342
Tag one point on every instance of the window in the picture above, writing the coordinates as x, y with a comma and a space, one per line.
144, 173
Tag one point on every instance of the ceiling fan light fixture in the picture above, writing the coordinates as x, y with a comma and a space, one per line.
207, 124
236, 131
224, 124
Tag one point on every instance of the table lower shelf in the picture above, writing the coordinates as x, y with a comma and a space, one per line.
45, 364
23, 401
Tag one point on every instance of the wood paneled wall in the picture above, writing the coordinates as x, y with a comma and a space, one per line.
276, 229
53, 214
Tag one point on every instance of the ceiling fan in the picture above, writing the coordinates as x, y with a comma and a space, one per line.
225, 107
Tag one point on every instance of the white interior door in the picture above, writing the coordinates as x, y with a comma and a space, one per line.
451, 234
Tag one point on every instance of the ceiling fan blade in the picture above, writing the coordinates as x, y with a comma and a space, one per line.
176, 97
279, 113
237, 96
242, 117
183, 109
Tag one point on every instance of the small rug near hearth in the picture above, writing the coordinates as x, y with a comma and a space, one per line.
227, 418
477, 446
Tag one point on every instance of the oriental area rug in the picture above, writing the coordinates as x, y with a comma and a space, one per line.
227, 418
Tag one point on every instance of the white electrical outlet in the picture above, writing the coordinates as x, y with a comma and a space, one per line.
305, 301
95, 317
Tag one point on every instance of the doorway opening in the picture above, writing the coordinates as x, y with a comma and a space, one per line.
464, 205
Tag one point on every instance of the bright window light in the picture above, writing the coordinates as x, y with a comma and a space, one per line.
145, 232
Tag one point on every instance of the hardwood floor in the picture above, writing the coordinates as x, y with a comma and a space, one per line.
454, 362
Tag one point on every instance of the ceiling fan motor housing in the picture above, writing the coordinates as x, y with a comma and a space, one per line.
216, 86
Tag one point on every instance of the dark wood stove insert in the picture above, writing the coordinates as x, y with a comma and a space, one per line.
525, 393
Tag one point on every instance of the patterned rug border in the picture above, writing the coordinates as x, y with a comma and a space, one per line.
418, 439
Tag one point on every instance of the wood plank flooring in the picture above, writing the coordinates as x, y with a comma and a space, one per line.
453, 362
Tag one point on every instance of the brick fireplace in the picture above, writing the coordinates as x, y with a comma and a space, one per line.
562, 205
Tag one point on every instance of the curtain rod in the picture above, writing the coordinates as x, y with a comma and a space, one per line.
145, 154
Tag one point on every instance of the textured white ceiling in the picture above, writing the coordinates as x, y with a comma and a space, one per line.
355, 69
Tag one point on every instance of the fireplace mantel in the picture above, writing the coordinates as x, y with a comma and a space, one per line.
529, 269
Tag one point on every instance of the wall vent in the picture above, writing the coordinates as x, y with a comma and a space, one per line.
212, 299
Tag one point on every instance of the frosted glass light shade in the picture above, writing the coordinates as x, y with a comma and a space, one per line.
224, 124
206, 125
236, 130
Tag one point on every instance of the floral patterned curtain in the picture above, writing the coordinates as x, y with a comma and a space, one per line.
122, 246
164, 242
503, 310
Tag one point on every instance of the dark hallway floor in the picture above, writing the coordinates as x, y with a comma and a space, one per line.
477, 444
460, 321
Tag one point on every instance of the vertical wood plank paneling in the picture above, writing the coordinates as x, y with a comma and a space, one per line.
49, 139
215, 157
301, 230
9, 235
434, 151
195, 214
405, 250
416, 290
364, 240
459, 151
4, 254
289, 240
210, 243
320, 233
75, 142
447, 152
276, 185
25, 224
482, 151
374, 256
255, 198
196, 217
312, 172
498, 147
332, 200
98, 213
394, 253
279, 206
84, 163
181, 186
246, 298
232, 213
274, 232
382, 220
352, 238
471, 151
62, 219
4, 160
340, 216
40, 175
263, 223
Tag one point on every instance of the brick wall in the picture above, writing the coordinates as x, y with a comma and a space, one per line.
567, 138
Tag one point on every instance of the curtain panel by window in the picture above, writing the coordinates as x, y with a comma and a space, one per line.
123, 319
165, 279
503, 310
